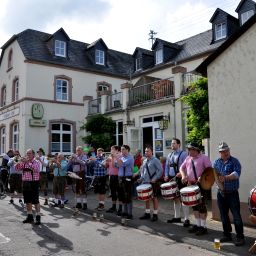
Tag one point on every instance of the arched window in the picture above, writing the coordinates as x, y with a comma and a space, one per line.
61, 137
15, 89
10, 59
63, 88
2, 140
14, 135
3, 96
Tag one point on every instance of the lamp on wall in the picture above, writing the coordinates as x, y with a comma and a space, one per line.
163, 123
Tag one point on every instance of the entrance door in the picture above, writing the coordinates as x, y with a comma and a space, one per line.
147, 134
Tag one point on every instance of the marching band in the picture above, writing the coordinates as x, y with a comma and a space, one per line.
186, 181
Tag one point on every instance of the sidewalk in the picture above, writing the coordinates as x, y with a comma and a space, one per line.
175, 231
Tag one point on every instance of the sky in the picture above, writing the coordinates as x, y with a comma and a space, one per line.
122, 24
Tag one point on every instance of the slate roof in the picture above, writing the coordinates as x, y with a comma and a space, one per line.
35, 47
202, 68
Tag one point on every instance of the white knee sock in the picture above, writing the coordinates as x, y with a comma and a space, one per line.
185, 209
177, 206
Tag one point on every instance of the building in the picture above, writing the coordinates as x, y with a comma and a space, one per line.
43, 79
231, 85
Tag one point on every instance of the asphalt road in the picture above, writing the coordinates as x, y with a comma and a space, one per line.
62, 234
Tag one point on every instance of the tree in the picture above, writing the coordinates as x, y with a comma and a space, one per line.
102, 130
197, 116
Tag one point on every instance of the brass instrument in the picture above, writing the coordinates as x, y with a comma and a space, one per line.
217, 180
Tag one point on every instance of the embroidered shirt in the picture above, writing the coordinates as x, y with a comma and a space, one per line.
33, 174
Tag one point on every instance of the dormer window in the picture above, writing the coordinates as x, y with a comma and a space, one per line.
220, 31
246, 16
60, 48
159, 56
138, 63
99, 57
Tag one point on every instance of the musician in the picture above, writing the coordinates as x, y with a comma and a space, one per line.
125, 164
30, 181
5, 170
173, 163
191, 171
59, 180
229, 169
15, 178
100, 173
43, 173
151, 172
78, 164
113, 179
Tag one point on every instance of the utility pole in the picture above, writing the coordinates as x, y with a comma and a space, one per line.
152, 34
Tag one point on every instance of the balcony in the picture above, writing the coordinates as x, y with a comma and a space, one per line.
157, 90
114, 101
94, 106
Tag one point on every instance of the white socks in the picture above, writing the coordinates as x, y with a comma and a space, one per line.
185, 209
177, 207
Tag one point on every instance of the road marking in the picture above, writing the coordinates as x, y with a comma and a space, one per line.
4, 239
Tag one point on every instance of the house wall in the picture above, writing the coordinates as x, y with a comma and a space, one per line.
231, 80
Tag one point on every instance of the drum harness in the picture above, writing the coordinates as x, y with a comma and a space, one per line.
175, 165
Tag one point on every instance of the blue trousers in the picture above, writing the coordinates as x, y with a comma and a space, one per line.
226, 202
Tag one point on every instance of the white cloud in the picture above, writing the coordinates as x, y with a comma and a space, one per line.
123, 25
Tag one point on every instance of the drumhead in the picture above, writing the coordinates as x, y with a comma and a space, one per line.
189, 189
144, 187
168, 184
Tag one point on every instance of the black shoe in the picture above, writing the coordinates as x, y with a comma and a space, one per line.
54, 205
119, 213
129, 217
29, 219
79, 206
65, 201
186, 224
124, 214
100, 207
85, 206
11, 201
239, 241
46, 202
193, 229
226, 239
38, 220
201, 231
146, 216
154, 218
111, 210
61, 206
174, 220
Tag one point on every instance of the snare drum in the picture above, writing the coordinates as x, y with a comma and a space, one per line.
144, 192
252, 201
169, 190
190, 195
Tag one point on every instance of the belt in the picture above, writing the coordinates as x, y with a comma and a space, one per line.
227, 191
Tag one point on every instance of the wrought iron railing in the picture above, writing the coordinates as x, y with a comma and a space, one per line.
152, 91
114, 101
94, 106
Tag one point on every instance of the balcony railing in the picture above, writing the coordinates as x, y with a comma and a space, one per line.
189, 78
115, 101
95, 106
150, 92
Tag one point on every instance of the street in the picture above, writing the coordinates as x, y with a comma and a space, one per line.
62, 234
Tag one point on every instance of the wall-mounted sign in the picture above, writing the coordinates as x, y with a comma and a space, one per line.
37, 122
9, 114
37, 111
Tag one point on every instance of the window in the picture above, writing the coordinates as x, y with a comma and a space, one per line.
3, 140
10, 59
60, 48
159, 56
61, 90
246, 16
15, 136
119, 133
61, 138
220, 31
15, 91
3, 96
138, 63
99, 57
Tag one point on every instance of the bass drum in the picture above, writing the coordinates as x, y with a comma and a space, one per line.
252, 201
